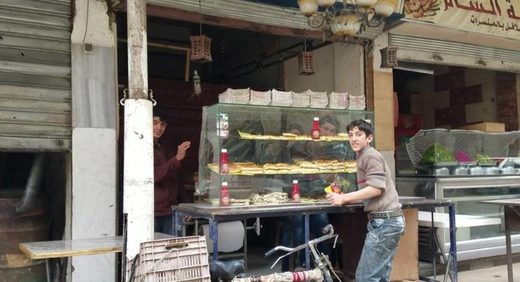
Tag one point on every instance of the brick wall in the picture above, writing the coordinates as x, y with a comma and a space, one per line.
184, 115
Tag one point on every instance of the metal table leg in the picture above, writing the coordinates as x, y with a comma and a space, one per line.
213, 236
48, 269
433, 242
306, 238
177, 223
507, 211
453, 244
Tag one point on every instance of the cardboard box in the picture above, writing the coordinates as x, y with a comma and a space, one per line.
486, 126
406, 261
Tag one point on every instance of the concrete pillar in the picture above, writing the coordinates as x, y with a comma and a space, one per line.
94, 139
383, 103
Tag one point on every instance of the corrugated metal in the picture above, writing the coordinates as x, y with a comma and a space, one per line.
457, 49
252, 12
35, 84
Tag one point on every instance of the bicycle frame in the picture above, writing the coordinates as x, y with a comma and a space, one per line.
321, 260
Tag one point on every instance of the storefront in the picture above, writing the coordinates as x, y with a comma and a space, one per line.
254, 47
458, 69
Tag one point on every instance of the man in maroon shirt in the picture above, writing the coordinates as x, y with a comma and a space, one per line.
166, 166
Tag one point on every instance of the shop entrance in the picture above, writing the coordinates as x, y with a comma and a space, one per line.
456, 138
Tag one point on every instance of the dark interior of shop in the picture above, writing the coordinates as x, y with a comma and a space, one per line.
436, 96
32, 205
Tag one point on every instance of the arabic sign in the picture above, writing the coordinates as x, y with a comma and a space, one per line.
496, 17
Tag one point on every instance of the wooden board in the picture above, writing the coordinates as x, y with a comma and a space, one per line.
68, 248
79, 247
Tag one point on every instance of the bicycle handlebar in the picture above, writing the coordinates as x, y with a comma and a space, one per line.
327, 229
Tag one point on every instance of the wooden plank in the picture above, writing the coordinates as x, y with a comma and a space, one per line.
68, 248
79, 247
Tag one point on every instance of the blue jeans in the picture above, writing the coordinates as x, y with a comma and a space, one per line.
380, 246
163, 224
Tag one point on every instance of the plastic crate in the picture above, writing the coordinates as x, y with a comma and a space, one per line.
173, 259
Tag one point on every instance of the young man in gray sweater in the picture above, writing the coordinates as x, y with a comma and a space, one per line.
377, 190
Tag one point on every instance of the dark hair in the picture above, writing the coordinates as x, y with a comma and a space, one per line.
362, 125
159, 112
329, 119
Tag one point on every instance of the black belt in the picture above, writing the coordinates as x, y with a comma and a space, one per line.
385, 214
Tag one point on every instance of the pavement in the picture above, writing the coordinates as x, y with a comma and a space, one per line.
489, 274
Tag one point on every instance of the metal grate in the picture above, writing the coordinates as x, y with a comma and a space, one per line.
463, 144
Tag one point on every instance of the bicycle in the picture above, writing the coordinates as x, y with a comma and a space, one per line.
323, 270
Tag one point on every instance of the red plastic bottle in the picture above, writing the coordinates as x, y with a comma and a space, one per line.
315, 131
224, 165
295, 191
224, 195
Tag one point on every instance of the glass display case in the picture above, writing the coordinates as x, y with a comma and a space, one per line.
260, 150
466, 167
462, 153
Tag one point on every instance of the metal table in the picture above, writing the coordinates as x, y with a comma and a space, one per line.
512, 223
215, 214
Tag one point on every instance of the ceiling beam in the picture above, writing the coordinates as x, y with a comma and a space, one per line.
180, 15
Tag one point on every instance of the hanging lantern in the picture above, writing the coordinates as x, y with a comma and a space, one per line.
306, 63
389, 57
346, 25
308, 7
385, 8
326, 3
200, 48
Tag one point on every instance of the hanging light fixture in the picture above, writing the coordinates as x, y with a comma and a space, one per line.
200, 44
308, 7
306, 60
197, 89
347, 18
385, 7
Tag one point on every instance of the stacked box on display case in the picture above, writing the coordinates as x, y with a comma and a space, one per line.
302, 99
356, 102
260, 97
319, 100
338, 100
234, 96
282, 98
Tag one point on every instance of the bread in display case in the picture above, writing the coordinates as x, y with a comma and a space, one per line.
265, 148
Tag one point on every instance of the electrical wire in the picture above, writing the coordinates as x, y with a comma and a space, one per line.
86, 22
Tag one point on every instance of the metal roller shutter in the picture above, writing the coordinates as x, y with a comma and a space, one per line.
35, 84
435, 51
252, 12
